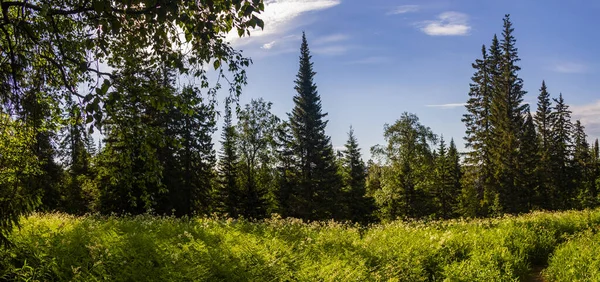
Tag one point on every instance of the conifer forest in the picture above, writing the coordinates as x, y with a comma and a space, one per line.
108, 169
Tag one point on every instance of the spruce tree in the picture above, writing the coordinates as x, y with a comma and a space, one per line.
229, 191
506, 120
596, 165
543, 124
581, 168
318, 183
358, 205
192, 156
477, 134
447, 179
456, 175
529, 159
562, 146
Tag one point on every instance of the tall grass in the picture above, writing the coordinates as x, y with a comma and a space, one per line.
576, 260
59, 247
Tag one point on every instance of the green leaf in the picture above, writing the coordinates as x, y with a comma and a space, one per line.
248, 11
105, 86
260, 23
217, 64
88, 98
240, 31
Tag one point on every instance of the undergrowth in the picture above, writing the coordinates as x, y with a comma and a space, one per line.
59, 247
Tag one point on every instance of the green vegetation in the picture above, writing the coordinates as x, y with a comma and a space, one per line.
61, 247
576, 260
156, 156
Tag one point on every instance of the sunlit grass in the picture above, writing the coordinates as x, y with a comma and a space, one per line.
59, 247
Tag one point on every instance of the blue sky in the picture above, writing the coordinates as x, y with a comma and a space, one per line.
376, 59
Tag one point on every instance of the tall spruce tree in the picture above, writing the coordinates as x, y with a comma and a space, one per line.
359, 207
562, 146
543, 124
318, 184
506, 119
477, 121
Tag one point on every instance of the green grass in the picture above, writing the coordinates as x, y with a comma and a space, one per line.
58, 247
576, 260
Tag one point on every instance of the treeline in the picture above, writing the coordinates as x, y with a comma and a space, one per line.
157, 154
515, 161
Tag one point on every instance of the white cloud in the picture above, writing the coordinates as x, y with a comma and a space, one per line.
279, 17
404, 9
447, 106
570, 67
447, 24
589, 116
330, 39
268, 45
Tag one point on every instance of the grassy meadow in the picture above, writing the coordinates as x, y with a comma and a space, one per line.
60, 247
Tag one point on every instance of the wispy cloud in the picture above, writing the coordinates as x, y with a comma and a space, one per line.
590, 117
371, 61
279, 17
570, 67
447, 106
333, 38
447, 24
404, 9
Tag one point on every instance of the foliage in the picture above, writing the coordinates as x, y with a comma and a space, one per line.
18, 165
358, 206
576, 260
407, 173
229, 195
256, 132
59, 247
313, 196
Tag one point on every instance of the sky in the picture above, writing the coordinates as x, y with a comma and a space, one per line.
376, 59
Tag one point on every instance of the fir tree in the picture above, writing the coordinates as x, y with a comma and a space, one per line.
456, 175
529, 159
318, 184
229, 193
359, 206
478, 131
543, 123
581, 168
506, 119
562, 127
